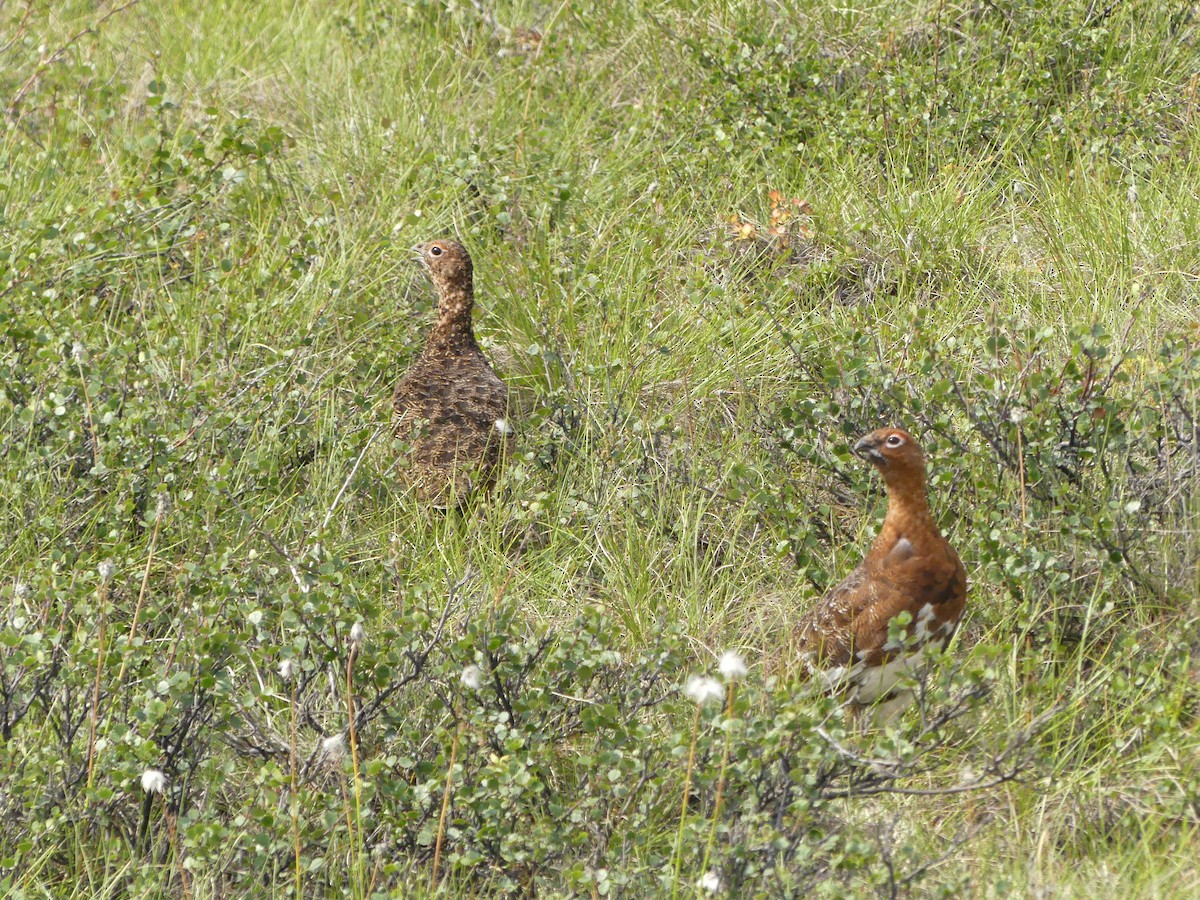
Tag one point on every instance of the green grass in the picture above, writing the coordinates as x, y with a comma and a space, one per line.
216, 202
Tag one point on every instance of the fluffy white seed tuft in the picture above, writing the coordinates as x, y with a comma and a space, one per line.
701, 690
732, 667
333, 747
472, 677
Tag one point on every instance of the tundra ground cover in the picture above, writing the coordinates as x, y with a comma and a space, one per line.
714, 243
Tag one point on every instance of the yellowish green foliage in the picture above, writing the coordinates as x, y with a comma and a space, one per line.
714, 243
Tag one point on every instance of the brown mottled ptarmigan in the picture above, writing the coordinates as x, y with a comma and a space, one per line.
451, 407
844, 640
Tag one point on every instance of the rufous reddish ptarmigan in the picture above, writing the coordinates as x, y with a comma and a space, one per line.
844, 640
451, 407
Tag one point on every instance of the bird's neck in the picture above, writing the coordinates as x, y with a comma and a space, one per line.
907, 512
453, 326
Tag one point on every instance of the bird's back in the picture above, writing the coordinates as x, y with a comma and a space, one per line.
845, 640
452, 409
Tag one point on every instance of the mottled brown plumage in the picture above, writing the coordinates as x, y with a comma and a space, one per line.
910, 568
451, 408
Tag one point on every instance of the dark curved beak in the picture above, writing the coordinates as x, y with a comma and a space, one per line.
868, 448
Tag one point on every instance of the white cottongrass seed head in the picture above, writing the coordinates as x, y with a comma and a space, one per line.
333, 747
358, 634
503, 427
710, 882
701, 690
732, 667
21, 591
287, 668
472, 677
154, 781
79, 353
162, 505
107, 570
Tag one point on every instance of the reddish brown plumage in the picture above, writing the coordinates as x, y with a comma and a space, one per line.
451, 407
910, 568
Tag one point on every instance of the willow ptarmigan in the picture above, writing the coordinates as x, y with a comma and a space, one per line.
910, 568
450, 406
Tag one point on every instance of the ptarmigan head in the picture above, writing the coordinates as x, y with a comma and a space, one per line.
449, 266
894, 452
445, 259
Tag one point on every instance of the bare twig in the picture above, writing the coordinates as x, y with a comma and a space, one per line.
345, 484
14, 105
22, 25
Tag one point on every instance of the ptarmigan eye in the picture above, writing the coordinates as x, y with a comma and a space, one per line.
436, 250
894, 440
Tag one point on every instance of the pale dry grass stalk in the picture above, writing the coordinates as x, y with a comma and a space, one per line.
105, 578
173, 837
294, 765
87, 404
716, 816
348, 811
102, 597
355, 644
446, 793
137, 608
1021, 476
683, 803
